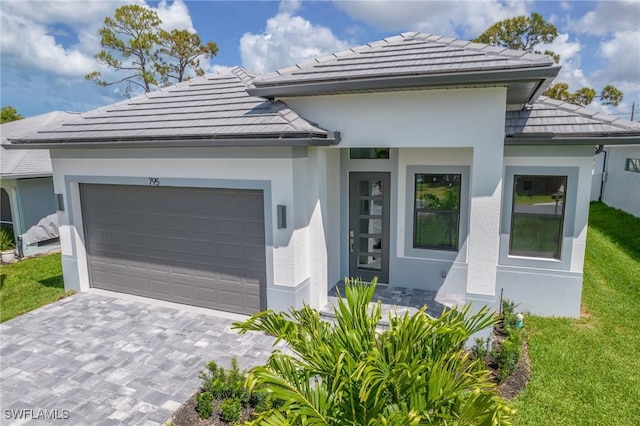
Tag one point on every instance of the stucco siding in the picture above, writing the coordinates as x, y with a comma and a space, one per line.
548, 286
288, 276
421, 118
622, 187
422, 128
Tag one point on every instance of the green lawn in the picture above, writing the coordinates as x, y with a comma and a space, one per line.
587, 371
29, 284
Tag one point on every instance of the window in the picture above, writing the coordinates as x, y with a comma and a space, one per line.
369, 153
537, 217
632, 165
436, 223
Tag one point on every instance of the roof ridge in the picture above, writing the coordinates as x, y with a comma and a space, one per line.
294, 119
244, 75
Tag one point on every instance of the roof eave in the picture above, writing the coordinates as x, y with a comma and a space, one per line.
552, 139
332, 138
25, 175
545, 75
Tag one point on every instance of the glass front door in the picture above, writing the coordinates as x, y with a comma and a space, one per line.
369, 226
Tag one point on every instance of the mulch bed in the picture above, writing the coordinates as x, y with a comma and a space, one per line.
188, 416
516, 383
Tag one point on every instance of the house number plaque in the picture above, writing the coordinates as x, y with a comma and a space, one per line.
154, 181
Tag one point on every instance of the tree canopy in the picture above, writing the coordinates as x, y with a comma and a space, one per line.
8, 114
147, 56
521, 33
525, 33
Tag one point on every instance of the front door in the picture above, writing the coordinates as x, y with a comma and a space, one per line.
369, 226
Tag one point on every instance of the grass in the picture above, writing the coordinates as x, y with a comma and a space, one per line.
29, 284
585, 371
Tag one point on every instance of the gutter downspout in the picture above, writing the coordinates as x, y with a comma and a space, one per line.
604, 170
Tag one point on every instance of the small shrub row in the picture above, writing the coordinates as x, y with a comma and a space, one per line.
227, 387
506, 353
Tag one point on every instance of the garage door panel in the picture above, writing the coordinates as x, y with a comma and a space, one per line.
200, 246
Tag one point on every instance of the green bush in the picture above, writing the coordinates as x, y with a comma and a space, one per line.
224, 384
508, 355
230, 410
509, 316
204, 405
480, 352
7, 239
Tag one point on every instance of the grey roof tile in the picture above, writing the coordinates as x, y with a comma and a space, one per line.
387, 58
22, 162
214, 106
566, 120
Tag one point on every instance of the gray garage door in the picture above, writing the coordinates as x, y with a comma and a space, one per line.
198, 246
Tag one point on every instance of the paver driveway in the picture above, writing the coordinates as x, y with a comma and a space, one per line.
108, 361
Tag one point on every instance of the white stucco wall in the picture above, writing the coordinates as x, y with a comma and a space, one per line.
280, 169
551, 287
621, 187
462, 127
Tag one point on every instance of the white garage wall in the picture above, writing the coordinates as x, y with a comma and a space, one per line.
274, 169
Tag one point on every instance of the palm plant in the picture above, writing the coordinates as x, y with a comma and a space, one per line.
350, 372
7, 239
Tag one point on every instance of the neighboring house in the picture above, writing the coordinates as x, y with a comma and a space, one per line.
616, 178
26, 185
431, 163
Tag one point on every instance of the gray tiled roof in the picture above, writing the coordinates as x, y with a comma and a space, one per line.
562, 119
23, 162
408, 54
214, 107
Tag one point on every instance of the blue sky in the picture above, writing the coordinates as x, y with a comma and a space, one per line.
48, 46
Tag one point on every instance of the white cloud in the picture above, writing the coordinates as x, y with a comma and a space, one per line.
48, 46
68, 12
622, 53
25, 43
32, 33
570, 60
608, 17
286, 40
466, 19
175, 16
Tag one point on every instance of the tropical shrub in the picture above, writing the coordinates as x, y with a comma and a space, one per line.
222, 383
507, 353
7, 239
350, 372
230, 410
509, 316
204, 404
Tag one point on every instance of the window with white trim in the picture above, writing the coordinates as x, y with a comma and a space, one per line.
537, 216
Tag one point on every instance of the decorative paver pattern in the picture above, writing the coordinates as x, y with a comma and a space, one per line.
400, 300
109, 361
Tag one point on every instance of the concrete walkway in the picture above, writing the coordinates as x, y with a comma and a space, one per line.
99, 360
